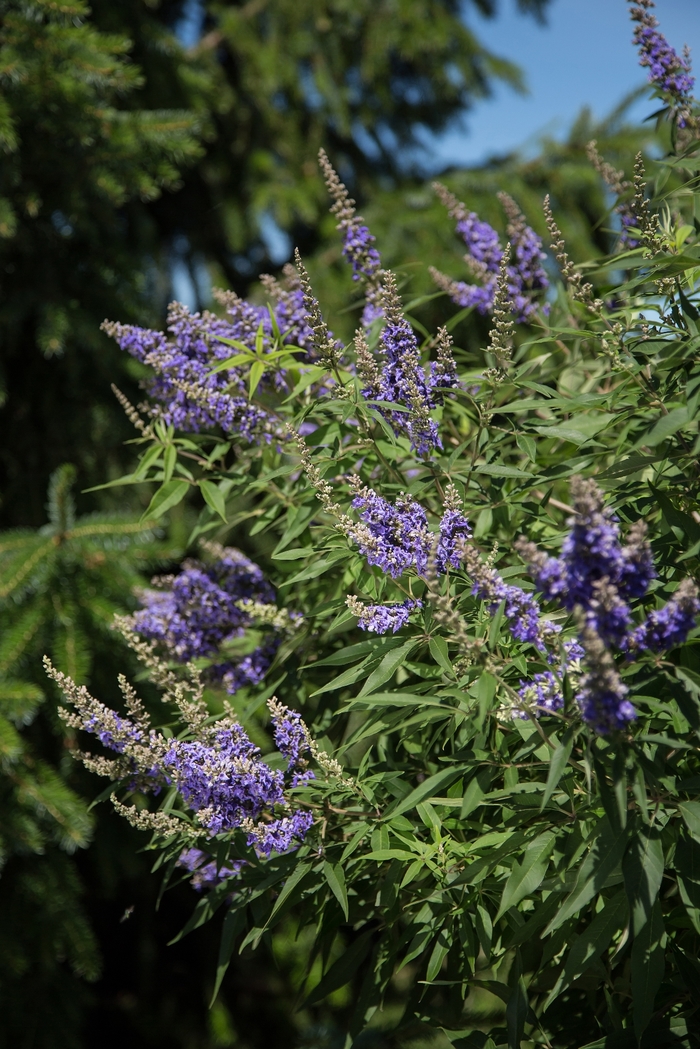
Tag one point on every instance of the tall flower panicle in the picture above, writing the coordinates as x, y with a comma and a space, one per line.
399, 531
402, 379
526, 277
670, 625
595, 571
669, 72
219, 772
382, 619
189, 393
602, 695
358, 242
400, 538
521, 610
194, 613
621, 187
597, 577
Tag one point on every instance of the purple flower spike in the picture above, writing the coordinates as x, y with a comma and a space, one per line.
668, 71
543, 692
521, 610
602, 695
400, 531
670, 625
205, 873
595, 571
198, 610
402, 379
380, 619
358, 242
526, 276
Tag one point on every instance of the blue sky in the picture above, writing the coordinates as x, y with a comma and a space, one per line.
583, 56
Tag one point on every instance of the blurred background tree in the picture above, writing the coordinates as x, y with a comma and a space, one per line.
147, 148
129, 157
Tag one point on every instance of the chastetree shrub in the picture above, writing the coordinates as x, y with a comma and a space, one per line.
448, 716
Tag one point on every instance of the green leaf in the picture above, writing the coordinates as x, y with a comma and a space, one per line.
643, 870
647, 970
234, 924
292, 885
602, 860
336, 880
591, 943
214, 498
485, 691
517, 1007
557, 764
342, 970
438, 650
387, 668
527, 875
690, 811
169, 460
257, 370
438, 955
428, 789
168, 495
348, 677
665, 427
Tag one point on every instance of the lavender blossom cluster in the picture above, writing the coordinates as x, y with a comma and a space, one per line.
597, 577
206, 874
190, 395
219, 772
527, 278
402, 378
358, 242
401, 538
197, 611
669, 72
397, 539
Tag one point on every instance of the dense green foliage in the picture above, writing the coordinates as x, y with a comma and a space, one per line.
59, 590
75, 160
127, 155
507, 881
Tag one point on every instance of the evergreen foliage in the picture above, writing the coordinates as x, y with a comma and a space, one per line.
79, 163
60, 588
